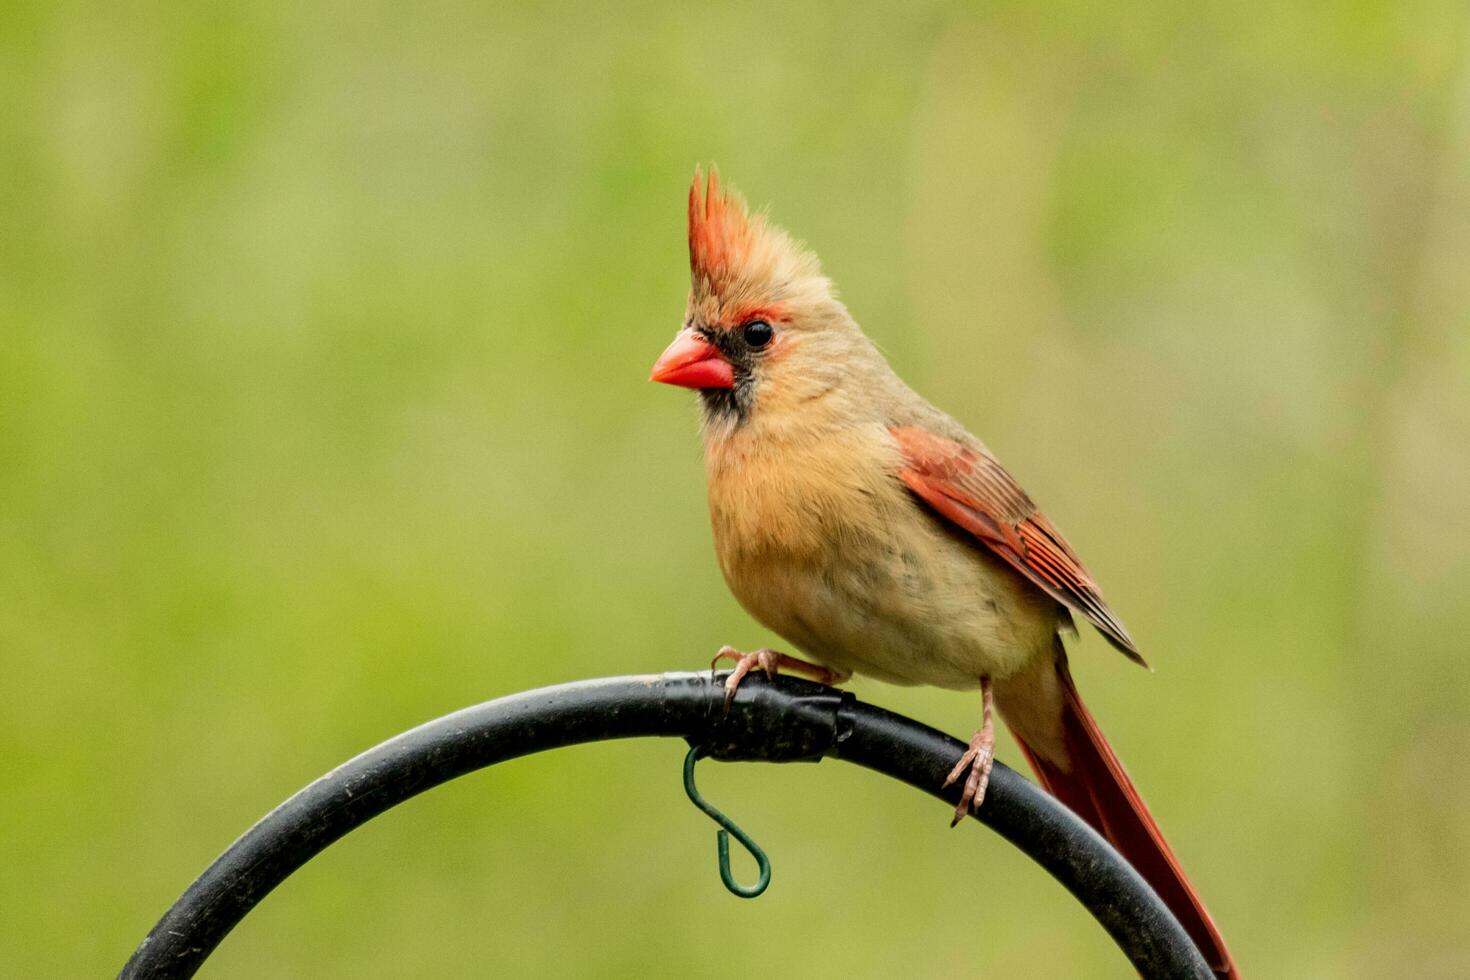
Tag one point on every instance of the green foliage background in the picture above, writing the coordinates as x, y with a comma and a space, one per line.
324, 332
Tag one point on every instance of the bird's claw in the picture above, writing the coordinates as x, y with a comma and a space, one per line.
979, 758
766, 659
770, 663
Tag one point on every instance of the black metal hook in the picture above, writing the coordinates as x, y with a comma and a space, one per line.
722, 839
784, 720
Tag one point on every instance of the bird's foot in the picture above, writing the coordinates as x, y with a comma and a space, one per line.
978, 760
769, 661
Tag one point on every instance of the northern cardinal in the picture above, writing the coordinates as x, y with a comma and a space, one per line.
879, 537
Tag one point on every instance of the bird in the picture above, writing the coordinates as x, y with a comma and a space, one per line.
877, 536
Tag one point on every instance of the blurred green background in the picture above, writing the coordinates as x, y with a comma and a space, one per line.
324, 332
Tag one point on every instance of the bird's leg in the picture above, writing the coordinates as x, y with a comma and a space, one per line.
769, 661
978, 758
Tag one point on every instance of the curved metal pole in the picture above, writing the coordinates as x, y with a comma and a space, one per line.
784, 720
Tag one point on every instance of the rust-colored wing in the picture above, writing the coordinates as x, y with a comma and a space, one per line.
968, 487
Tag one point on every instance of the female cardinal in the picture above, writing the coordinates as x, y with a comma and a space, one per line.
879, 537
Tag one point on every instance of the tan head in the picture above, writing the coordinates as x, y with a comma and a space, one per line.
763, 330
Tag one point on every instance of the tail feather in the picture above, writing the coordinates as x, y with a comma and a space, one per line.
1096, 787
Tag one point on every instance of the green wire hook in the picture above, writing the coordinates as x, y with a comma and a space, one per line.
722, 839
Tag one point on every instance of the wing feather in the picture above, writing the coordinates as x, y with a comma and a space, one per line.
967, 486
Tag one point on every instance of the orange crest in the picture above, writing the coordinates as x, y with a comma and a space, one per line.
721, 232
740, 264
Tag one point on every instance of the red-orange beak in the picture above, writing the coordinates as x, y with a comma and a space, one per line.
692, 362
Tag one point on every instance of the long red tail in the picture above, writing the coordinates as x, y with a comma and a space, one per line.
1099, 791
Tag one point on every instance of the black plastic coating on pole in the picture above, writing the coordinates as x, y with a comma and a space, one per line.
784, 720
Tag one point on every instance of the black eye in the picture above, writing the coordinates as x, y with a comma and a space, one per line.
757, 333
